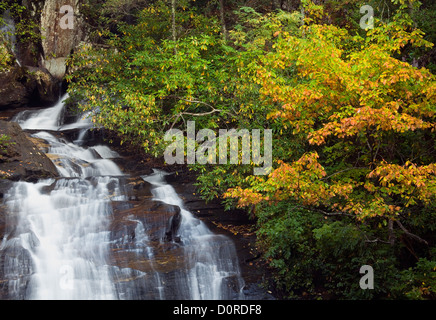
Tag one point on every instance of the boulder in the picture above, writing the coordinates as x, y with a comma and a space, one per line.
36, 68
20, 158
15, 87
47, 87
20, 86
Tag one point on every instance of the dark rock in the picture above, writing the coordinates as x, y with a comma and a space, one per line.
21, 86
14, 281
171, 233
20, 158
46, 86
254, 270
5, 185
16, 87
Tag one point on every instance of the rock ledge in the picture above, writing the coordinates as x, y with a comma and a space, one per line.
20, 158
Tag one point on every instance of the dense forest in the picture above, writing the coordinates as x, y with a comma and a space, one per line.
348, 94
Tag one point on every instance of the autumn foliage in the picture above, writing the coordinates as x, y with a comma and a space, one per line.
365, 120
352, 93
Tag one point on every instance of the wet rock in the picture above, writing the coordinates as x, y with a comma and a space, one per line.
46, 87
253, 269
5, 185
171, 233
20, 158
158, 217
17, 268
20, 86
37, 67
16, 87
154, 215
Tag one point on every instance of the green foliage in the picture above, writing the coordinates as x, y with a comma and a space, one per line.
5, 142
26, 28
425, 19
285, 236
147, 88
341, 260
27, 31
5, 46
321, 257
419, 282
5, 57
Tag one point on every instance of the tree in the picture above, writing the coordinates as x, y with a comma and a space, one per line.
223, 21
150, 83
357, 102
367, 122
173, 24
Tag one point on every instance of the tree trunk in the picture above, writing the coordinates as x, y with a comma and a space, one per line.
391, 232
411, 12
173, 23
223, 22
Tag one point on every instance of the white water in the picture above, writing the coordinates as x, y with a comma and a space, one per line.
75, 161
52, 119
212, 257
45, 119
61, 247
69, 224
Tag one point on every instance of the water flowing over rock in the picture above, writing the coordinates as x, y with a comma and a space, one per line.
96, 232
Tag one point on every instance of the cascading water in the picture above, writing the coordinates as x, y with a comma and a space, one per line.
213, 267
68, 242
64, 222
62, 246
51, 118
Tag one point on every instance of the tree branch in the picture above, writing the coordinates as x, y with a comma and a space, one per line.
391, 232
407, 232
195, 114
332, 213
340, 171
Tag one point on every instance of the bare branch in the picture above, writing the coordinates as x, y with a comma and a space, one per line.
407, 232
191, 101
339, 213
375, 240
391, 232
195, 114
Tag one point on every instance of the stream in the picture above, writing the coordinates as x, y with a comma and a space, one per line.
79, 237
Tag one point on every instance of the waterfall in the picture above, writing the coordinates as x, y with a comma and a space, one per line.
68, 224
213, 260
62, 246
45, 119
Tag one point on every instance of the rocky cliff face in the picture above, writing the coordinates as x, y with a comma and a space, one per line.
37, 68
61, 32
